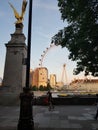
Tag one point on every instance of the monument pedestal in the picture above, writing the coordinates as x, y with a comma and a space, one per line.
15, 69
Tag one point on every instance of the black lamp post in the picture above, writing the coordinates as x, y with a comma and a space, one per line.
29, 44
26, 116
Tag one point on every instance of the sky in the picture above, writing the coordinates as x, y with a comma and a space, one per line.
46, 22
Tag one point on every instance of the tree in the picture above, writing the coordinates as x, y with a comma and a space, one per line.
48, 86
34, 88
41, 88
80, 37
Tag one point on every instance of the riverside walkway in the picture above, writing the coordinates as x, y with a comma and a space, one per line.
61, 118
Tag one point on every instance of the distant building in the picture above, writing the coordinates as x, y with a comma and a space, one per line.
89, 85
31, 77
40, 77
35, 78
59, 84
43, 76
53, 80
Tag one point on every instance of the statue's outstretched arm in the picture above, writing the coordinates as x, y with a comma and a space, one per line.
15, 11
24, 4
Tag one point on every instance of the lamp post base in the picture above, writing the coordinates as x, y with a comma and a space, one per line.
26, 118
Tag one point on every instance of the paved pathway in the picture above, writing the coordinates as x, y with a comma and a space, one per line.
61, 118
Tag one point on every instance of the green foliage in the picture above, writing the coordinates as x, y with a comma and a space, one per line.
34, 88
81, 34
41, 88
45, 88
48, 86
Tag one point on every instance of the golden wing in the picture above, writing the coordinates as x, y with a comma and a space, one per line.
24, 4
15, 12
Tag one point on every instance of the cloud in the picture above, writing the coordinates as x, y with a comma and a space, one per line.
44, 35
44, 5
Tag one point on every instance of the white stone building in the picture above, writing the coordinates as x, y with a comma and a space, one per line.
53, 80
88, 85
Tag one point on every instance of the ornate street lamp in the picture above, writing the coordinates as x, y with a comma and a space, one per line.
26, 115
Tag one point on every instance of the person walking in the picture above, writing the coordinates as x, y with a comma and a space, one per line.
50, 100
96, 115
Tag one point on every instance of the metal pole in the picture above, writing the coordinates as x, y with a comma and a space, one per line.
26, 114
29, 44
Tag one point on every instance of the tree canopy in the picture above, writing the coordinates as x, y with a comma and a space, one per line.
80, 37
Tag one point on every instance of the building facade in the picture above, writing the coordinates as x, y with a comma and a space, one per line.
88, 85
53, 80
40, 77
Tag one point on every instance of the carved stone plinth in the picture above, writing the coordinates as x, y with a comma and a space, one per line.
16, 52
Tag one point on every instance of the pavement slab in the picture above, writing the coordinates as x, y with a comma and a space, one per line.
60, 118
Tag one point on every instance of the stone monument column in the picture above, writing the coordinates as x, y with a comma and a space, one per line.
15, 68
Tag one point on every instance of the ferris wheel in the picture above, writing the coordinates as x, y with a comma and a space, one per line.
44, 54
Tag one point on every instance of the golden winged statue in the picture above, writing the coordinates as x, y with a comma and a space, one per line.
17, 16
